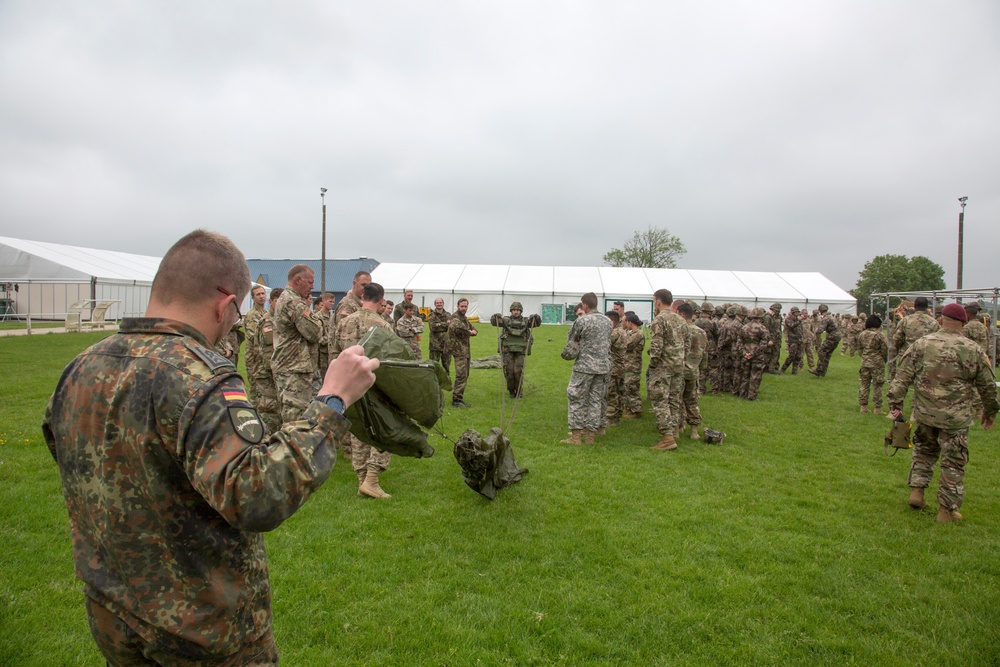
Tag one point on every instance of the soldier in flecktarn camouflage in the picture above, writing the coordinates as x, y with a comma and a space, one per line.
874, 350
588, 384
828, 326
437, 347
794, 331
167, 475
944, 368
459, 333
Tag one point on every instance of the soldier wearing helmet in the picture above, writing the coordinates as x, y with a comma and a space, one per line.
794, 331
772, 320
755, 348
514, 344
710, 326
825, 324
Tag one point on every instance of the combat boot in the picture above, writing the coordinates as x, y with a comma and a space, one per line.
878, 411
370, 486
630, 415
916, 500
864, 409
666, 443
599, 431
947, 516
694, 433
574, 438
588, 436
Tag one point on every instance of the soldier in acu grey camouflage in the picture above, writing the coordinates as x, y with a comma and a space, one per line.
166, 475
588, 385
944, 368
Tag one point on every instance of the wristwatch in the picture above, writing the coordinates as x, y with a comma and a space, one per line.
334, 401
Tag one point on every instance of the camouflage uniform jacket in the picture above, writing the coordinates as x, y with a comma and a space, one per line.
169, 486
593, 330
668, 341
976, 331
754, 339
773, 324
352, 328
913, 327
515, 332
635, 341
459, 332
618, 351
711, 329
296, 334
438, 324
409, 328
697, 357
945, 368
349, 305
728, 332
806, 325
827, 324
400, 308
873, 348
793, 329
251, 323
265, 343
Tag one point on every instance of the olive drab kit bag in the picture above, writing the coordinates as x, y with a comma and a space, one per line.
488, 463
898, 437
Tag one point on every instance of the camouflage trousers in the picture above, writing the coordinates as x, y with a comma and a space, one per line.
616, 397
727, 372
775, 359
709, 374
461, 378
444, 357
414, 347
364, 457
121, 645
952, 447
808, 347
666, 391
872, 380
692, 412
631, 393
513, 371
296, 391
794, 358
265, 399
823, 356
753, 374
587, 398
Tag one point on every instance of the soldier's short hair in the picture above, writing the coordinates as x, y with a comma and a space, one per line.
328, 293
197, 265
613, 315
255, 288
408, 305
685, 310
664, 295
633, 318
390, 302
276, 293
619, 303
590, 300
921, 303
361, 273
298, 269
461, 301
372, 292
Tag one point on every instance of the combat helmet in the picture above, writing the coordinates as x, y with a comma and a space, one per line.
707, 307
794, 309
776, 307
823, 307
516, 305
756, 314
720, 311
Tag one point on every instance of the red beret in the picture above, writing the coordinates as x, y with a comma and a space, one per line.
955, 311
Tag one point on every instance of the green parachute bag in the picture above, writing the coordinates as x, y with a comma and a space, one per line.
407, 395
897, 438
488, 463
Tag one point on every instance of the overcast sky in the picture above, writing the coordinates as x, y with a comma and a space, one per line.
777, 136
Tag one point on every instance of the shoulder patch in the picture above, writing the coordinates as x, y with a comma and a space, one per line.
214, 360
246, 423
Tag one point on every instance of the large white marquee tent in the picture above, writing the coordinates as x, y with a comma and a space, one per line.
547, 290
51, 277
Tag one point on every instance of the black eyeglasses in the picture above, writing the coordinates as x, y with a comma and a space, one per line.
239, 315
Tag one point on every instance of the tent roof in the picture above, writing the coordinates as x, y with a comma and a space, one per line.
703, 285
39, 261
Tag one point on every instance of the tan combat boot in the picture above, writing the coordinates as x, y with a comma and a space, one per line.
666, 443
574, 438
864, 409
601, 430
916, 500
694, 433
947, 516
370, 486
878, 411
630, 415
588, 436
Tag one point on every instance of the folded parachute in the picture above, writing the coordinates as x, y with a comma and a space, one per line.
407, 392
488, 463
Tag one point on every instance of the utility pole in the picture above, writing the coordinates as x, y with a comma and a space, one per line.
322, 280
961, 234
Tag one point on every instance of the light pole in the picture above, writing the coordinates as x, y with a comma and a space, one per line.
322, 280
961, 233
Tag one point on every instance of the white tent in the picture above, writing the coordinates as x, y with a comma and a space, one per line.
45, 279
548, 290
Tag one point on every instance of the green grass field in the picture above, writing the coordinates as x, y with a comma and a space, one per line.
792, 544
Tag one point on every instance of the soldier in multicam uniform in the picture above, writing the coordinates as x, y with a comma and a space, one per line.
944, 367
808, 338
368, 462
772, 320
588, 384
351, 303
829, 327
914, 326
874, 351
793, 339
974, 329
258, 294
707, 323
168, 480
265, 397
229, 346
635, 341
668, 344
616, 380
459, 333
409, 327
514, 344
296, 334
324, 315
437, 322
756, 344
695, 363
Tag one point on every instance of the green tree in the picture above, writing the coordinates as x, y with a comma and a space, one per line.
653, 248
896, 273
